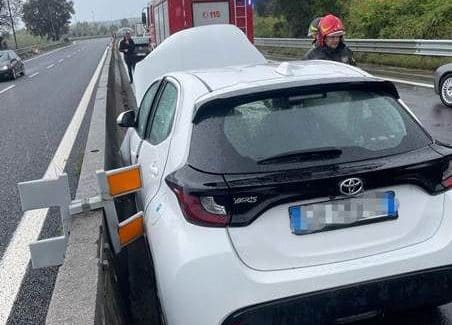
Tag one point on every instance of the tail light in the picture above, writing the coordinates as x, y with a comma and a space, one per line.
199, 209
447, 176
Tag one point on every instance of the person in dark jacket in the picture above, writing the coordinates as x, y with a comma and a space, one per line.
330, 41
127, 46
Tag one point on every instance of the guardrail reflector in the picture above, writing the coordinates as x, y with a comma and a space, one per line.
124, 181
131, 229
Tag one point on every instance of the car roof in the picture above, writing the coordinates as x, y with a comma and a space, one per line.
273, 72
234, 81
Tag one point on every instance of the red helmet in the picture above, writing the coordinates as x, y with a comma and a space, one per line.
330, 25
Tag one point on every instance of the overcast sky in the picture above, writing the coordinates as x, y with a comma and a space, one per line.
103, 10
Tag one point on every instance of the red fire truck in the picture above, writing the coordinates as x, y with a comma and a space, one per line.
166, 17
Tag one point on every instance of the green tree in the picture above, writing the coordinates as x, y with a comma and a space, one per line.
48, 18
266, 7
300, 13
270, 26
429, 19
124, 22
16, 12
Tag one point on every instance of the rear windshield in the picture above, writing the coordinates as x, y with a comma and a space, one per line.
237, 135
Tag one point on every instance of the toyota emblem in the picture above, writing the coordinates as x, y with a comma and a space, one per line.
351, 186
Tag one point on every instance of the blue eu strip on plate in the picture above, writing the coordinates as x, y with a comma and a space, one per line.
343, 213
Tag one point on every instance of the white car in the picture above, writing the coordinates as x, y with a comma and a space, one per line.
291, 193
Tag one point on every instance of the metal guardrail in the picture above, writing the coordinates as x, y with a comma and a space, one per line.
389, 46
36, 49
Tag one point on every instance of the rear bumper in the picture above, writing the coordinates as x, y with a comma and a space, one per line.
426, 287
201, 281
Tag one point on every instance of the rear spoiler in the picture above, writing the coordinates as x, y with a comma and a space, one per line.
302, 86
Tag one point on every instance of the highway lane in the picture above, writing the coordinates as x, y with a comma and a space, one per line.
427, 106
35, 111
34, 116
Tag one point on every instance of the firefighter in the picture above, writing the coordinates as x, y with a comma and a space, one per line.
330, 42
313, 30
127, 46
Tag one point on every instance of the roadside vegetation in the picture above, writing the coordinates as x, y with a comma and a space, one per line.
426, 19
388, 19
86, 29
42, 25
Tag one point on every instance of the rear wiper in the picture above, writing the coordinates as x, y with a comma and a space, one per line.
303, 155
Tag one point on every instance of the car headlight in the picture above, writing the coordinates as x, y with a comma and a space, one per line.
4, 68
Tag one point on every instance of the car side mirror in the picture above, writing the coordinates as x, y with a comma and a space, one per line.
126, 119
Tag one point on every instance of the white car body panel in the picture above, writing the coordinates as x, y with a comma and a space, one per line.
201, 281
268, 244
152, 159
175, 147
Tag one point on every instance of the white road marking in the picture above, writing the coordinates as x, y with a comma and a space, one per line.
48, 53
14, 263
60, 60
50, 66
33, 75
6, 89
411, 83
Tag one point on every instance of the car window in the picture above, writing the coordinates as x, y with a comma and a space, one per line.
362, 124
164, 114
145, 108
4, 56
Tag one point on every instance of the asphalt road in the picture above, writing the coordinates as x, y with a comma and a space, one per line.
35, 111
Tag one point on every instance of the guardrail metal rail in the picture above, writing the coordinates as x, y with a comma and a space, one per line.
388, 46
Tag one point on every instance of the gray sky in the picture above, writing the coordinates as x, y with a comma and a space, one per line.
107, 9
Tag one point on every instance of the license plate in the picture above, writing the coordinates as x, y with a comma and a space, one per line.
343, 213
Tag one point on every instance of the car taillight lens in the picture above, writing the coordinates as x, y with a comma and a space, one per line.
447, 176
201, 210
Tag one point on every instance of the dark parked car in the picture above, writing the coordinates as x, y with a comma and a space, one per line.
142, 48
443, 83
11, 65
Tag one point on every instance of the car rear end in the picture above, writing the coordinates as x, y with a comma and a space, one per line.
305, 205
142, 47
